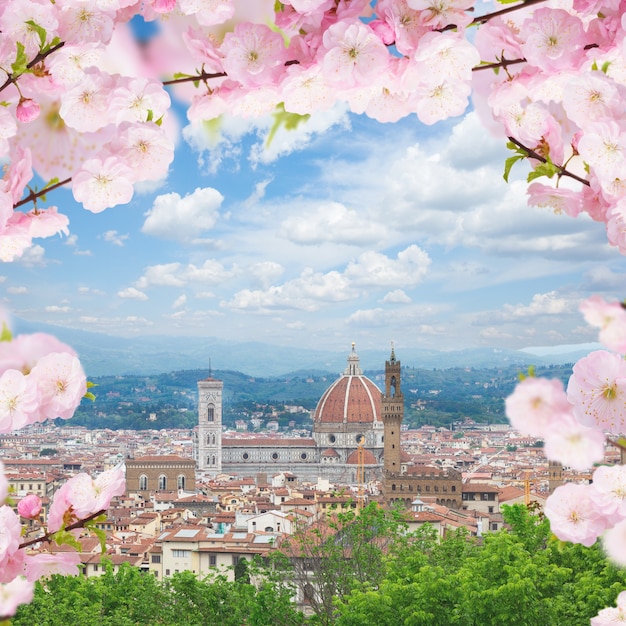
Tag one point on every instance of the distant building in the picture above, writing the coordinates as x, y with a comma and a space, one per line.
403, 481
348, 413
160, 473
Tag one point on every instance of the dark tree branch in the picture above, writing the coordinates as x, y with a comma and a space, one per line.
535, 155
38, 59
33, 195
47, 537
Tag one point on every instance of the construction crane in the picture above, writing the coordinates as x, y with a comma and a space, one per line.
360, 474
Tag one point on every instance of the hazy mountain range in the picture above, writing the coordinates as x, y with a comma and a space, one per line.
106, 355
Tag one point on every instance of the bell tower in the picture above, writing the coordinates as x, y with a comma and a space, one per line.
209, 438
392, 414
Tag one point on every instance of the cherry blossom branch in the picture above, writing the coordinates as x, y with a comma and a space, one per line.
12, 78
482, 19
616, 443
33, 195
535, 155
47, 537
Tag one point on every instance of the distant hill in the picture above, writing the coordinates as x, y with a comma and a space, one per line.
104, 355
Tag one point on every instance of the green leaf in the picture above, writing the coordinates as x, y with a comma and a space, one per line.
544, 169
283, 118
150, 115
6, 334
40, 31
98, 532
90, 396
509, 163
91, 384
20, 65
64, 537
605, 66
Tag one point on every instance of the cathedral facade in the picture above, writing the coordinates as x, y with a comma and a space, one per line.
356, 426
347, 418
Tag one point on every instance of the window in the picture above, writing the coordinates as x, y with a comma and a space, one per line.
156, 558
213, 460
95, 568
212, 560
210, 414
143, 482
393, 487
490, 509
303, 456
180, 554
453, 488
494, 526
167, 572
465, 496
181, 481
246, 456
274, 455
162, 482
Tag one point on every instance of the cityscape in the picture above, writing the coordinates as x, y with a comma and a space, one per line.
202, 499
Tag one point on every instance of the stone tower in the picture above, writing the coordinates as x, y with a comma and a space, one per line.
209, 441
392, 414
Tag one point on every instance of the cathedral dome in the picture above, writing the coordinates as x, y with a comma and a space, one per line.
351, 399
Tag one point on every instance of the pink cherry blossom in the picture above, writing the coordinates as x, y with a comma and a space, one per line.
83, 23
18, 401
61, 384
610, 318
612, 615
103, 183
23, 352
614, 543
573, 444
29, 506
208, 12
12, 566
609, 491
253, 54
353, 55
10, 532
4, 485
12, 594
441, 13
560, 200
573, 516
43, 565
597, 389
537, 406
554, 40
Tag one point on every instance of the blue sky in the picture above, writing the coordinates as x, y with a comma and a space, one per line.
344, 230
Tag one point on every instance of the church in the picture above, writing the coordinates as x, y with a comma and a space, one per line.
355, 427
347, 417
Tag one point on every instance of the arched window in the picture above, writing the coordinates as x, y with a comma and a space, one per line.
208, 440
213, 460
213, 439
143, 483
210, 414
393, 386
181, 481
162, 482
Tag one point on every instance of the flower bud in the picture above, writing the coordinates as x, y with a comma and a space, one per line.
29, 506
27, 110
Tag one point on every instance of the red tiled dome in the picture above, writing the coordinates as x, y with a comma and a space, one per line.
352, 398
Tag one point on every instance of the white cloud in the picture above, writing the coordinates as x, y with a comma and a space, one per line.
90, 290
130, 293
180, 301
541, 304
112, 236
183, 219
397, 296
304, 293
265, 272
17, 290
56, 309
178, 275
332, 222
33, 257
375, 269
